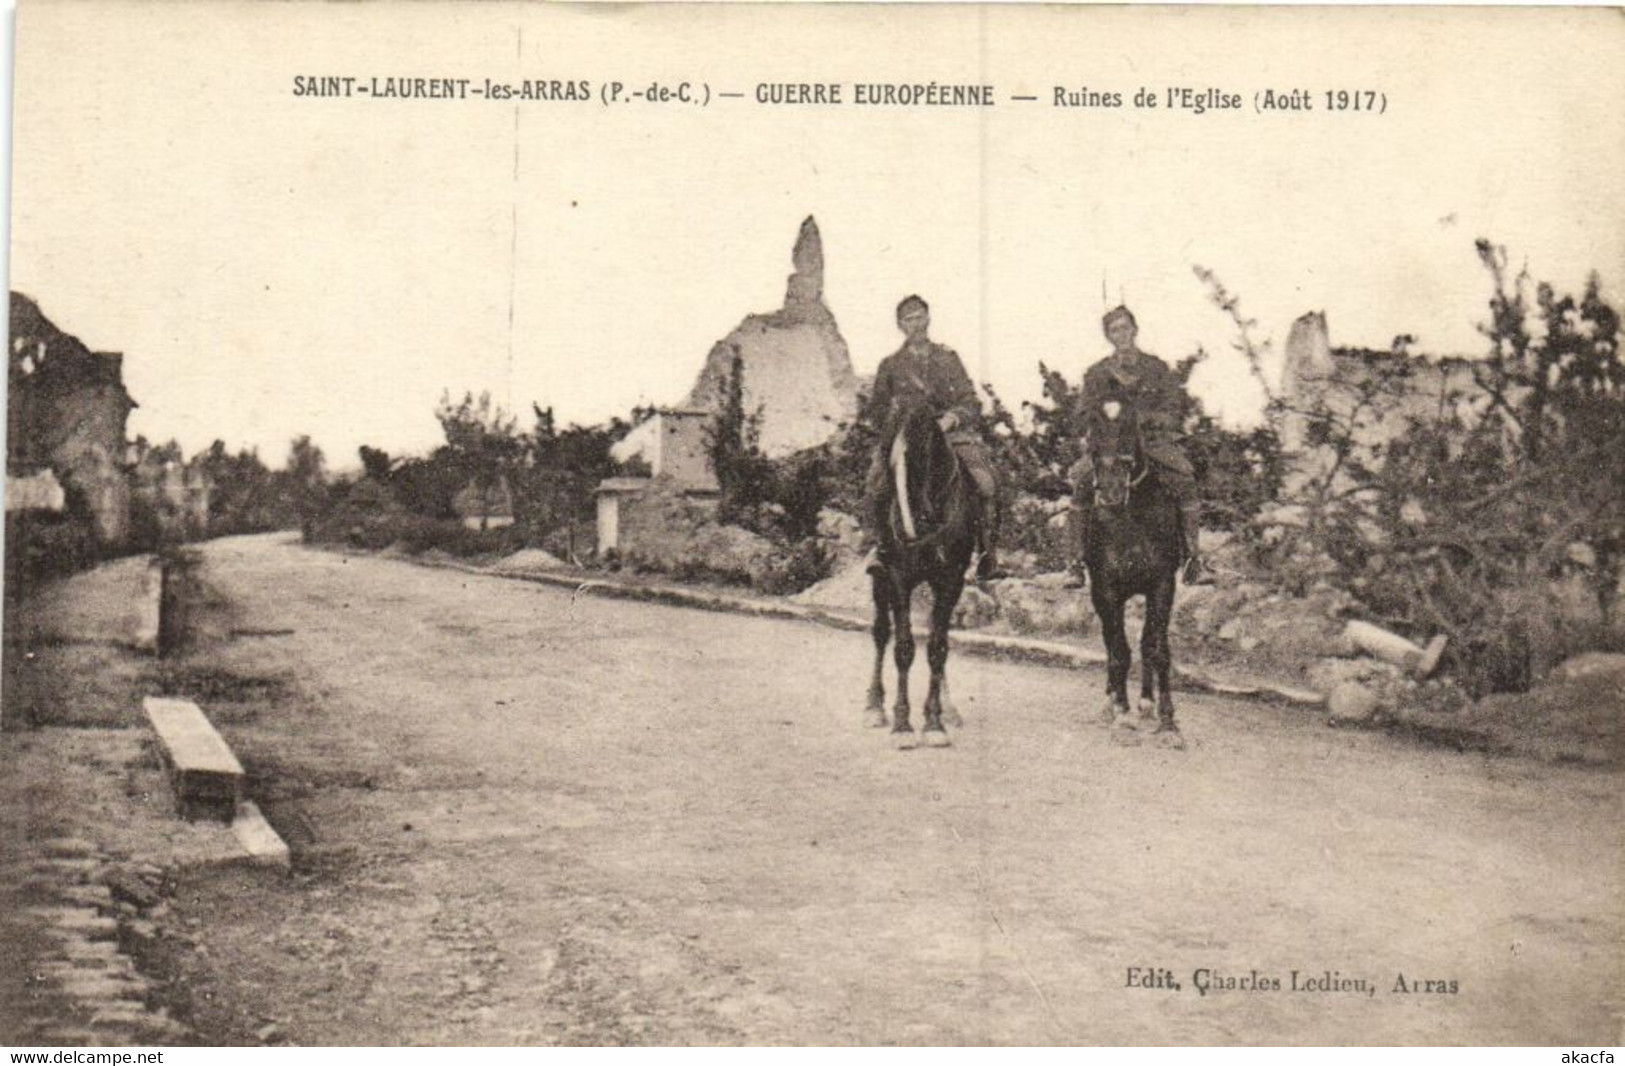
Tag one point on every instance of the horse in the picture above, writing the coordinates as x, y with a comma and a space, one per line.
929, 538
1132, 545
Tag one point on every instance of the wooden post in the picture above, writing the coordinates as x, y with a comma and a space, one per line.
178, 571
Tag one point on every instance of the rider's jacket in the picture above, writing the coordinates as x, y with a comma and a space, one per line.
1148, 385
934, 376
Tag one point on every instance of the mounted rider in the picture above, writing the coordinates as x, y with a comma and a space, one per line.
924, 372
1134, 378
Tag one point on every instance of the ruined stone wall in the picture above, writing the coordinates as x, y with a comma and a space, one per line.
173, 496
1318, 375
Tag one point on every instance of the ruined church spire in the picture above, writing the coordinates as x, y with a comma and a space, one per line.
806, 285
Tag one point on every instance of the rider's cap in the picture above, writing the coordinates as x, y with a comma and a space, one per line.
1118, 312
912, 303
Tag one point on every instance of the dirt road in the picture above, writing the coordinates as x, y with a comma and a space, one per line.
521, 817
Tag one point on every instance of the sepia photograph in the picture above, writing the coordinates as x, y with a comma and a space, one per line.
871, 524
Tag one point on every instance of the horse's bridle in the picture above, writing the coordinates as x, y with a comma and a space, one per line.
1133, 482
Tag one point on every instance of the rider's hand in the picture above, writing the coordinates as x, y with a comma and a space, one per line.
948, 421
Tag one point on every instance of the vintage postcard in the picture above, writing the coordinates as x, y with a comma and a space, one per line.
638, 524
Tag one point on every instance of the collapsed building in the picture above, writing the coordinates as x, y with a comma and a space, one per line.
795, 379
68, 461
1372, 394
796, 373
66, 410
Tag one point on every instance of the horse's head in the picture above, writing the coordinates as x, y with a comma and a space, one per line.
1116, 452
922, 468
914, 427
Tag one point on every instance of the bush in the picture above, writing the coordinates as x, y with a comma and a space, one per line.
41, 546
794, 567
1470, 513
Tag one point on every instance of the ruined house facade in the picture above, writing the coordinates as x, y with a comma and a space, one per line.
66, 411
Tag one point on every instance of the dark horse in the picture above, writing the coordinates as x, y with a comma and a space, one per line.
1132, 546
929, 539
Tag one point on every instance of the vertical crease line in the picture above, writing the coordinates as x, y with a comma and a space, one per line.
513, 227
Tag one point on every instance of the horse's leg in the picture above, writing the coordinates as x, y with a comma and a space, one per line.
1159, 658
1109, 607
875, 711
950, 710
944, 596
903, 655
1148, 658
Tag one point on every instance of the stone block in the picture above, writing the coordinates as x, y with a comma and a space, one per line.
83, 952
102, 987
1591, 664
86, 895
77, 921
259, 840
205, 776
1351, 703
70, 848
67, 871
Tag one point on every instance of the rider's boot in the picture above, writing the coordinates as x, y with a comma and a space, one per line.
1077, 528
987, 567
875, 562
1196, 571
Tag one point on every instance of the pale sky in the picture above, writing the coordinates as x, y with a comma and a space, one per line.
273, 265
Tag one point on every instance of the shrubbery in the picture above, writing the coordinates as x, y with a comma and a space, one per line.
410, 503
1471, 514
1480, 515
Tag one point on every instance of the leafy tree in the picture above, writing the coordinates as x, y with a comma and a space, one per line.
306, 481
375, 464
244, 496
564, 466
482, 438
733, 443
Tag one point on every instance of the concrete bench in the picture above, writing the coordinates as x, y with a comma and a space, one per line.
206, 777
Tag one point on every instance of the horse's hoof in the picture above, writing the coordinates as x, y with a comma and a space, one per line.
905, 739
1172, 739
1124, 720
1127, 737
936, 738
874, 718
1108, 714
1148, 708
